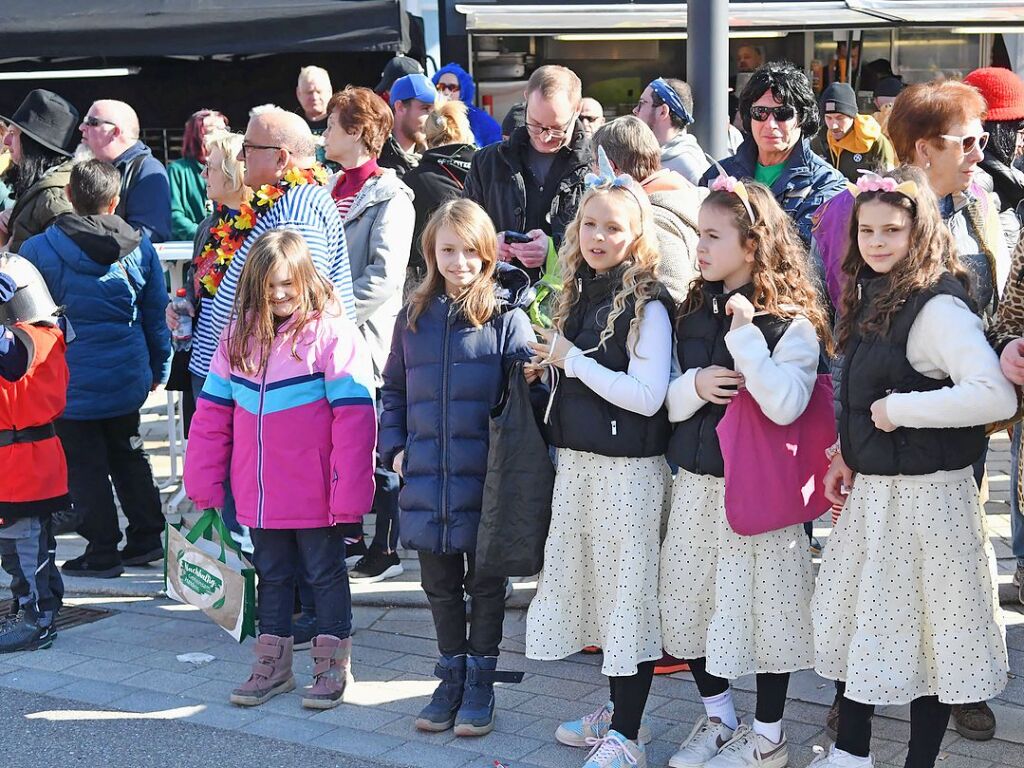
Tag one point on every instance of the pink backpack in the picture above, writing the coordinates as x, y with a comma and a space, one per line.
774, 474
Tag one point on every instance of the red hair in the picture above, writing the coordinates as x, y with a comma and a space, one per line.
192, 145
928, 110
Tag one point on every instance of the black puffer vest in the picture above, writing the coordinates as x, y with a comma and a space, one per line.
874, 367
700, 342
580, 418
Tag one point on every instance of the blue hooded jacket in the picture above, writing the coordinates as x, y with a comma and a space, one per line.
111, 284
485, 128
440, 384
146, 203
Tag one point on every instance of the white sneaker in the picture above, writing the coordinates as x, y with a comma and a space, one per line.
582, 732
708, 736
616, 751
837, 758
748, 749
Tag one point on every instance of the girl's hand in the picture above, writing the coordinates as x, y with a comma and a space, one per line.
533, 370
741, 309
1012, 362
714, 384
880, 416
396, 465
554, 349
838, 481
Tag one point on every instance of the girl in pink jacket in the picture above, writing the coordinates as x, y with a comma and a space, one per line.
287, 413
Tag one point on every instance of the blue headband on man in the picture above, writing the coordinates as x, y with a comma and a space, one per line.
668, 95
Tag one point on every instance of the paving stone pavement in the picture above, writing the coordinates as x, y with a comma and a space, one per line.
128, 662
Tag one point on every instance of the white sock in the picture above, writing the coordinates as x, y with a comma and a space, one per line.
771, 731
721, 706
853, 761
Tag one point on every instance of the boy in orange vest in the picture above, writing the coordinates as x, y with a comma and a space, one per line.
33, 472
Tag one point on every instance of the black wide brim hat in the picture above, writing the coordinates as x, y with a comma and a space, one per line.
48, 119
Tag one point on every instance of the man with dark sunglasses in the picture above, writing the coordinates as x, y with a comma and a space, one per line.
666, 106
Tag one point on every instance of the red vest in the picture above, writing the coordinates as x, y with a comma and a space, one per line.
35, 475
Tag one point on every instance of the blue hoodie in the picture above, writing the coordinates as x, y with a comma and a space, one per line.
148, 203
485, 128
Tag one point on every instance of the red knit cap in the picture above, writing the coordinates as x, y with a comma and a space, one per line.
1003, 91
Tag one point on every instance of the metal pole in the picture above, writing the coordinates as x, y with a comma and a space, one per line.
707, 72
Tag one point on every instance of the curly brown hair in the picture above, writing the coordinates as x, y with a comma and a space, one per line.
932, 252
782, 273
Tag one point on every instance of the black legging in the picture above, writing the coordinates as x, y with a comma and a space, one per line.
629, 695
771, 689
928, 720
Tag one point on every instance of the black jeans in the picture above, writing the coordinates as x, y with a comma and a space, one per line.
447, 579
99, 451
318, 556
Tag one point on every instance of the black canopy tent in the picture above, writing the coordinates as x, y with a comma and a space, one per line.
129, 28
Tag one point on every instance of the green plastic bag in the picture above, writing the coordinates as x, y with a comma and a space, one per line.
546, 290
204, 567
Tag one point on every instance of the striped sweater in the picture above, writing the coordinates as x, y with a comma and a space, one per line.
308, 210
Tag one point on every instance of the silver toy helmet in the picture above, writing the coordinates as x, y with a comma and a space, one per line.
31, 302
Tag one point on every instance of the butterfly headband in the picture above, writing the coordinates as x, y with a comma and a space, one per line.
723, 182
668, 95
870, 181
606, 177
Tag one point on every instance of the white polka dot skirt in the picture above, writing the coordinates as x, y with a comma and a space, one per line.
741, 601
599, 585
906, 601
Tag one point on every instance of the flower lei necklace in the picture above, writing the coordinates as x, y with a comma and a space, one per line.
228, 234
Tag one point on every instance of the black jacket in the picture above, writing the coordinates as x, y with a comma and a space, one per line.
874, 367
1007, 181
500, 181
580, 418
700, 342
440, 177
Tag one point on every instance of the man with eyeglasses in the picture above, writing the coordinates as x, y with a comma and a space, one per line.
455, 83
110, 132
532, 182
591, 115
666, 106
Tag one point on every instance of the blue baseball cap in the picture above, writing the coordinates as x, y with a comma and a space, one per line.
415, 86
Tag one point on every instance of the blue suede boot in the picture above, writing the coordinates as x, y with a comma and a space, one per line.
439, 714
476, 715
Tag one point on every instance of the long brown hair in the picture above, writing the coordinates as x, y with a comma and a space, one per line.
473, 226
254, 331
639, 280
781, 271
932, 252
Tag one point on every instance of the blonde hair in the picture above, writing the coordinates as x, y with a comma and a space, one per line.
639, 281
254, 330
448, 123
473, 226
230, 144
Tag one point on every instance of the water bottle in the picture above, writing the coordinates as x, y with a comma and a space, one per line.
181, 337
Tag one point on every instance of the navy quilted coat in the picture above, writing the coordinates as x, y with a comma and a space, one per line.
440, 383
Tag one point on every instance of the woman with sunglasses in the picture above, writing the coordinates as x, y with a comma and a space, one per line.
780, 116
456, 84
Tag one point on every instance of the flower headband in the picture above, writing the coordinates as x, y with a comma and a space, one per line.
668, 95
870, 181
723, 182
607, 178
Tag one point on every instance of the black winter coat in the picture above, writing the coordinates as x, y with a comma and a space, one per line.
440, 384
440, 177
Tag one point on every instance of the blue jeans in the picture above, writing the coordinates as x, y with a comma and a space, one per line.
1016, 518
228, 512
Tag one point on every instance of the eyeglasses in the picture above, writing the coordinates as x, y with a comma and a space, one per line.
95, 122
781, 114
968, 143
246, 147
448, 88
551, 133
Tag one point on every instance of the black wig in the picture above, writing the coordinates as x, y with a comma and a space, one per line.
790, 87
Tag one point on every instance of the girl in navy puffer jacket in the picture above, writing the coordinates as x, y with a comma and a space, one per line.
451, 353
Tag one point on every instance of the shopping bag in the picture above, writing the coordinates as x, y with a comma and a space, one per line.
774, 474
204, 567
516, 510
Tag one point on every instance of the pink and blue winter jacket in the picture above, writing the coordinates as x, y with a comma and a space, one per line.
298, 439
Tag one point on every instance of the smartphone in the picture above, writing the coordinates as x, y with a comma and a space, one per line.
516, 237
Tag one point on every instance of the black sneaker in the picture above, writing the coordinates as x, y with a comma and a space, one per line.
26, 633
87, 565
354, 552
377, 565
133, 554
